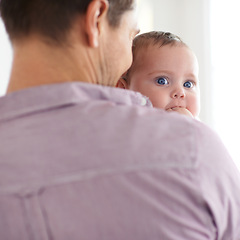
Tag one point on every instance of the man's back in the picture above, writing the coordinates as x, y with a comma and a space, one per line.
81, 161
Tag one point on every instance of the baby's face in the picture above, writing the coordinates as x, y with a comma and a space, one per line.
168, 76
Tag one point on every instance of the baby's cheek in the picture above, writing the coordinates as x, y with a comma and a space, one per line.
194, 106
159, 101
158, 104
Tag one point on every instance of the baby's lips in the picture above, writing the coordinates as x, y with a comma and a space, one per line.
173, 108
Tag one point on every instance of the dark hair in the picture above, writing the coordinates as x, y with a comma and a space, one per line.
150, 39
51, 18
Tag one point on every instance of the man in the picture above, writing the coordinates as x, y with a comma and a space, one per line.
83, 160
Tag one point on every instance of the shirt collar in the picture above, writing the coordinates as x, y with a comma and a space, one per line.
57, 95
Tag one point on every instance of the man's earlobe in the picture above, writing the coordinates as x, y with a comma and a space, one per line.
96, 12
122, 84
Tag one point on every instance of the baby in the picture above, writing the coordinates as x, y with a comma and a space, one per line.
164, 69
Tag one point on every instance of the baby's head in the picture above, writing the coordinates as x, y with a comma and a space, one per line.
164, 69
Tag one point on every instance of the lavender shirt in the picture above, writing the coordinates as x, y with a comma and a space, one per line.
81, 161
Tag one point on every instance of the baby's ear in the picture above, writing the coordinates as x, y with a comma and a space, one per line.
122, 83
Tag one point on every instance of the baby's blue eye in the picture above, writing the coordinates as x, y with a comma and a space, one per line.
188, 84
162, 81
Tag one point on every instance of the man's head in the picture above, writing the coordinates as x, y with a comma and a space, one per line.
96, 36
165, 70
52, 18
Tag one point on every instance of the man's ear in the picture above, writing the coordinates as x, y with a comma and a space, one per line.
122, 84
96, 13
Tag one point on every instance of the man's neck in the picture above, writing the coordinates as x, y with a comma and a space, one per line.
36, 63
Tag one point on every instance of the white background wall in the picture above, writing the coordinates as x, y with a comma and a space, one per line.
5, 59
225, 48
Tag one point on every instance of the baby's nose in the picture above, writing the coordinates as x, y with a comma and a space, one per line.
178, 93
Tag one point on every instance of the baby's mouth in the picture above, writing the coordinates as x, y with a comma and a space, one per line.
174, 107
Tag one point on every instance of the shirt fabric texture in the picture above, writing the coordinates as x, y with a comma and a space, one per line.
83, 161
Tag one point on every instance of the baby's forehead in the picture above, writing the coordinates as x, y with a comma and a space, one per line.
142, 46
141, 52
164, 56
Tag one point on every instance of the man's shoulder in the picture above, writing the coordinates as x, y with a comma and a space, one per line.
175, 139
168, 139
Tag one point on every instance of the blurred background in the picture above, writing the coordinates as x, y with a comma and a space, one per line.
210, 28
